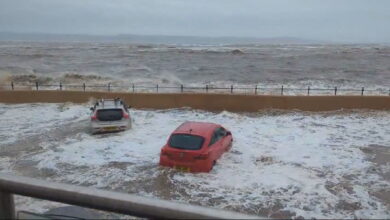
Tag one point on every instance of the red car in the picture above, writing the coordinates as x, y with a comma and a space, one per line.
195, 146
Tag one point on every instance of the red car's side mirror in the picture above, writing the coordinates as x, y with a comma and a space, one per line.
228, 133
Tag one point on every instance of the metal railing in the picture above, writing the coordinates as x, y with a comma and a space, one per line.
257, 90
102, 200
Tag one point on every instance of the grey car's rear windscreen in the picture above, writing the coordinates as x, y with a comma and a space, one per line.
109, 114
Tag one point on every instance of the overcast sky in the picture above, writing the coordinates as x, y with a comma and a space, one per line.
328, 20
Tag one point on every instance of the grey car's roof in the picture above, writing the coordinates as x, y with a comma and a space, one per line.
109, 103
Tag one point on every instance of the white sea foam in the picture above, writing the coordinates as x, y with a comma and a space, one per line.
306, 163
23, 120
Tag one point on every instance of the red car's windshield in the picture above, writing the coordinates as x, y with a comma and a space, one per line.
186, 141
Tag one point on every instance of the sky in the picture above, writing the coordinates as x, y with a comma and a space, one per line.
365, 21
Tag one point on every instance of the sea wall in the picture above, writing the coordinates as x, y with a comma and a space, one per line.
210, 102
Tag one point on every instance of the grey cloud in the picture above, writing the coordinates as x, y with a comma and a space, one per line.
330, 20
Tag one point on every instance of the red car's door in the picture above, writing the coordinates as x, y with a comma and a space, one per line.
220, 147
225, 140
215, 146
222, 142
225, 143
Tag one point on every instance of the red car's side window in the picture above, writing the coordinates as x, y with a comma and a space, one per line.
214, 138
218, 134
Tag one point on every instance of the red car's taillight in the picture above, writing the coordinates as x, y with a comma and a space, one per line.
201, 157
164, 153
125, 115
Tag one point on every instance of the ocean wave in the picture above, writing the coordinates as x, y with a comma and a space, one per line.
293, 65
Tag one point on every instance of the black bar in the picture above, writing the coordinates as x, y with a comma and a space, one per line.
362, 90
207, 88
182, 88
104, 201
7, 205
36, 85
335, 90
60, 86
84, 87
12, 85
231, 89
133, 87
281, 93
256, 90
308, 90
157, 87
109, 85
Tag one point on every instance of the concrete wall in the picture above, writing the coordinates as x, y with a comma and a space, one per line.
210, 102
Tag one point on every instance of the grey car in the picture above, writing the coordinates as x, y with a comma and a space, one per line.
110, 115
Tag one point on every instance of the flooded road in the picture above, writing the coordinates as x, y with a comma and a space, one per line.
282, 164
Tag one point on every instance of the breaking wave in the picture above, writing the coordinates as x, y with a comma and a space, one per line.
295, 66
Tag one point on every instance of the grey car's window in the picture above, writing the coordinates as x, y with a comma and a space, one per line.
109, 114
186, 141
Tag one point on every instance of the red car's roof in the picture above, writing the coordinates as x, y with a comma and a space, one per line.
197, 128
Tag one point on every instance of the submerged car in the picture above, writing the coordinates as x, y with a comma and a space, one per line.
196, 146
110, 115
